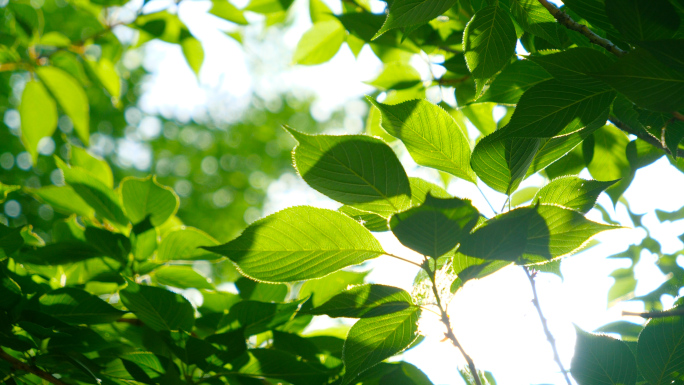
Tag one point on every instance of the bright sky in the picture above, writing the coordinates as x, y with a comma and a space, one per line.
493, 317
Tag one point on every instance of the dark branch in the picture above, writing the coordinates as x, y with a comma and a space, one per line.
644, 136
656, 314
549, 336
445, 320
23, 366
568, 23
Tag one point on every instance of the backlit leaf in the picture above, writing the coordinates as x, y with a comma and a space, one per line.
35, 126
602, 360
186, 245
76, 306
572, 192
404, 13
143, 197
320, 43
515, 79
660, 351
71, 97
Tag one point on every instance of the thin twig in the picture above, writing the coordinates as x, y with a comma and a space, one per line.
656, 314
643, 136
568, 23
445, 320
23, 366
404, 259
549, 336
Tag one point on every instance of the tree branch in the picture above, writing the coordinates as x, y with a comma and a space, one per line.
656, 314
445, 320
549, 336
643, 136
568, 23
20, 365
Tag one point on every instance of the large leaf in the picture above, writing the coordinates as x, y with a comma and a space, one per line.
572, 192
536, 234
660, 351
602, 360
76, 306
548, 108
143, 197
488, 42
431, 135
70, 96
320, 43
365, 301
372, 340
513, 81
95, 193
35, 126
186, 245
300, 243
357, 170
574, 66
158, 308
405, 13
285, 366
639, 20
646, 81
436, 226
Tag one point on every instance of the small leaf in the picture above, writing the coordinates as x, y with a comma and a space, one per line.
71, 97
76, 306
320, 43
431, 135
36, 126
306, 242
572, 192
660, 351
97, 166
365, 301
182, 277
405, 13
158, 308
186, 245
488, 42
435, 227
227, 11
372, 340
397, 76
143, 197
602, 360
356, 170
194, 53
646, 81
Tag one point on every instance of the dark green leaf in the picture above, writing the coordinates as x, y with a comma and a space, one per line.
660, 351
285, 366
256, 317
76, 306
534, 18
602, 360
365, 301
10, 239
643, 19
574, 65
158, 308
405, 13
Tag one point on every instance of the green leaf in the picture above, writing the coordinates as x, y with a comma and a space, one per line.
405, 374
98, 167
194, 53
35, 126
574, 66
6, 190
71, 97
646, 81
594, 11
548, 108
319, 11
639, 20
365, 301
182, 277
158, 308
513, 81
259, 291
95, 193
10, 239
536, 234
609, 160
372, 222
602, 360
372, 340
227, 11
420, 189
435, 227
669, 52
405, 13
323, 289
660, 351
535, 19
256, 317
285, 366
356, 170
76, 306
186, 245
310, 242
572, 192
63, 199
60, 253
320, 43
397, 76
268, 6
431, 135
143, 197
488, 42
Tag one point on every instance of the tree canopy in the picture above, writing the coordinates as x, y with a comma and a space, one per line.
131, 245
